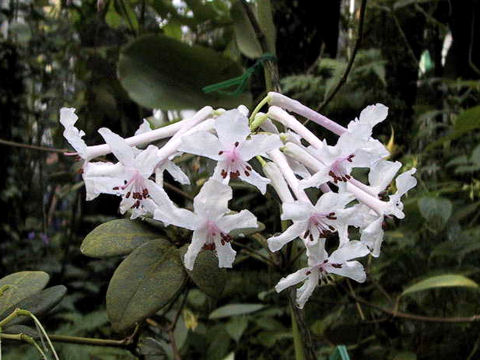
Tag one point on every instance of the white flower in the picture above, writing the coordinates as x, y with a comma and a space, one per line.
354, 148
209, 222
231, 148
128, 179
320, 265
165, 165
311, 223
68, 118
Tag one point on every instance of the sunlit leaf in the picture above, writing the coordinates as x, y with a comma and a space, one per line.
116, 237
434, 282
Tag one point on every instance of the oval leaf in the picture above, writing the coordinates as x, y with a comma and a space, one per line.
448, 280
234, 309
161, 72
20, 286
206, 274
38, 304
244, 33
143, 283
116, 237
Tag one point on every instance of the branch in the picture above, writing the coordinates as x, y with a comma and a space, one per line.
344, 77
31, 147
416, 317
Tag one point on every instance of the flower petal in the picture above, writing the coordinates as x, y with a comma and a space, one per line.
198, 240
201, 143
373, 114
317, 179
143, 128
297, 211
177, 172
306, 290
244, 219
256, 180
382, 174
351, 269
351, 250
292, 279
122, 151
275, 243
372, 236
259, 144
68, 118
146, 161
232, 126
225, 254
212, 200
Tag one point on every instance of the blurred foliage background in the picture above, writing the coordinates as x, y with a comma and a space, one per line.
117, 60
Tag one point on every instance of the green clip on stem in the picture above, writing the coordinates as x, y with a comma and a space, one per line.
240, 81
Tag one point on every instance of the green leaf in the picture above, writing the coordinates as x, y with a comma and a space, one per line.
20, 286
143, 283
234, 309
161, 72
244, 33
406, 355
38, 304
447, 280
435, 210
116, 237
236, 326
265, 19
467, 121
206, 274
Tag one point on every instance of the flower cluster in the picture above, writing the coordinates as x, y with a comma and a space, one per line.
292, 159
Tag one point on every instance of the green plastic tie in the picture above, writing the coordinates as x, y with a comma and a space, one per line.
340, 353
240, 81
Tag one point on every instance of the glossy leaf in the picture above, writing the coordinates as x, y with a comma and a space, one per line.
143, 283
434, 282
160, 72
206, 274
20, 286
116, 237
234, 309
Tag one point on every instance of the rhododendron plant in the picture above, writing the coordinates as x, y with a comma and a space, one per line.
292, 160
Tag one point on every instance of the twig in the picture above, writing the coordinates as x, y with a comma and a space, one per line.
344, 77
307, 343
178, 191
31, 147
359, 308
416, 317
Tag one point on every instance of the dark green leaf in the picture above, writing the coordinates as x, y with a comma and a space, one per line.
236, 326
20, 286
38, 304
116, 237
265, 19
143, 283
435, 210
161, 72
206, 274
